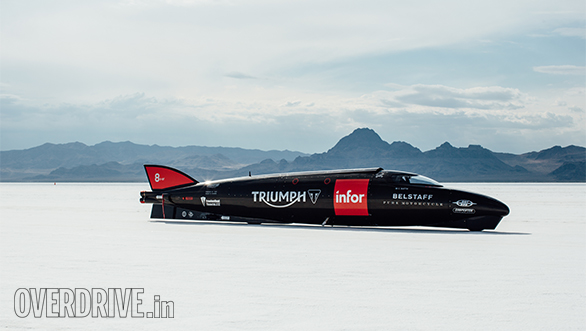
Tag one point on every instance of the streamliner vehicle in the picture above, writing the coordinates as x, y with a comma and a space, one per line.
351, 197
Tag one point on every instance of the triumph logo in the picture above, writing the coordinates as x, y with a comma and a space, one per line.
464, 203
284, 199
313, 195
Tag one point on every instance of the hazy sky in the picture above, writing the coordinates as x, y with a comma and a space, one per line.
297, 75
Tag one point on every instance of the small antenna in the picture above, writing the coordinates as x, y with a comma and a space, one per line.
249, 174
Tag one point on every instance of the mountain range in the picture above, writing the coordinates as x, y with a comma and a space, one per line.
109, 161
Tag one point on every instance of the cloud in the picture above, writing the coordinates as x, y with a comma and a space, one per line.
571, 32
180, 45
239, 75
392, 103
9, 99
292, 104
288, 74
428, 114
561, 70
439, 96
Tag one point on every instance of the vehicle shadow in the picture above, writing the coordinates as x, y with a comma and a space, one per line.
386, 229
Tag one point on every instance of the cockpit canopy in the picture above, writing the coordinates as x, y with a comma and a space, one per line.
412, 179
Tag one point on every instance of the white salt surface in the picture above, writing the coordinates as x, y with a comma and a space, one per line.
529, 274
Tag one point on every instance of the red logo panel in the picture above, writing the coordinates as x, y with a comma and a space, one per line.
163, 177
350, 197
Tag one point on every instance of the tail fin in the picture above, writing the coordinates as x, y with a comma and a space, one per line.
162, 177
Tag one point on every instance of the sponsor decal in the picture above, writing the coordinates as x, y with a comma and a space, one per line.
411, 203
404, 196
162, 177
463, 211
210, 202
185, 214
464, 203
313, 195
284, 199
351, 197
213, 203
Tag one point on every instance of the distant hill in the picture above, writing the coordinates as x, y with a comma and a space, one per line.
570, 172
109, 161
545, 161
365, 148
38, 163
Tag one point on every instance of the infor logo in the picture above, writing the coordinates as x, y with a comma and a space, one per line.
351, 197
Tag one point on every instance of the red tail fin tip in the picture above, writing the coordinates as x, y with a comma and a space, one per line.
162, 177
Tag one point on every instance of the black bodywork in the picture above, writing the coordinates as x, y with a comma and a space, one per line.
354, 197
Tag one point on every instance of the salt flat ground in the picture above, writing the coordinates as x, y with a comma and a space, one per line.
528, 274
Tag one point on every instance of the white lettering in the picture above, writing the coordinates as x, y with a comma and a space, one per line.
279, 199
136, 302
66, 298
123, 303
284, 196
401, 196
38, 301
22, 302
167, 309
83, 305
99, 301
111, 311
66, 302
52, 302
302, 195
348, 197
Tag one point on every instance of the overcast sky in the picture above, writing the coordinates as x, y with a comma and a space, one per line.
297, 75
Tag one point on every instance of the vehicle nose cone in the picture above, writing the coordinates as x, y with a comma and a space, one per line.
499, 208
482, 204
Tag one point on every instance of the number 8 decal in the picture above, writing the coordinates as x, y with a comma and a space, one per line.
157, 177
